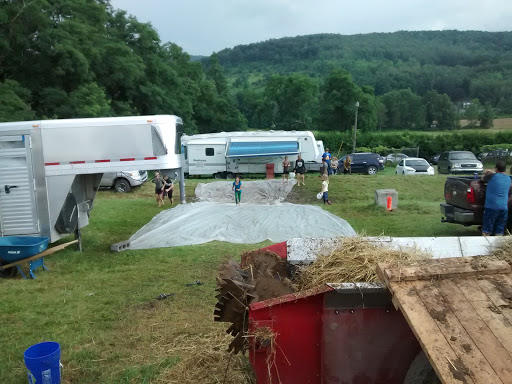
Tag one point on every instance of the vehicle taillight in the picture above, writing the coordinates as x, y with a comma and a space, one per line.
470, 195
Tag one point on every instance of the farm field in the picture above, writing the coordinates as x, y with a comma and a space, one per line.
102, 308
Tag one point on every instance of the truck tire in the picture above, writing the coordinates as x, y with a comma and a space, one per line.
229, 175
421, 371
371, 170
217, 175
122, 185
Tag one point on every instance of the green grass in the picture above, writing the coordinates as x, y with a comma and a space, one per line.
100, 306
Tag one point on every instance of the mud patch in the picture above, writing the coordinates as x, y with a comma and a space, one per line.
477, 264
504, 289
467, 348
439, 315
453, 338
459, 370
494, 309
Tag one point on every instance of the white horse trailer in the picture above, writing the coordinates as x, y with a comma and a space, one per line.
50, 170
227, 153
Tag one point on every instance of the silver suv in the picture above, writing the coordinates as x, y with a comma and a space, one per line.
123, 181
459, 162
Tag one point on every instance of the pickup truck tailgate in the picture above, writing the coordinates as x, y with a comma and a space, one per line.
456, 190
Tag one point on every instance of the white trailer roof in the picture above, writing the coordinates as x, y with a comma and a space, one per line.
248, 134
102, 121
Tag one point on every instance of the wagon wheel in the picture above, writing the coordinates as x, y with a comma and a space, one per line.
9, 272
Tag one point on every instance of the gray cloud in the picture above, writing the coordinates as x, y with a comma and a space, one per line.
206, 26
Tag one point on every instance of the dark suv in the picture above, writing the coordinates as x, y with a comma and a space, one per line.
369, 163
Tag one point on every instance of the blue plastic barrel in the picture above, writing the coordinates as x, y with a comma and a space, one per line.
43, 363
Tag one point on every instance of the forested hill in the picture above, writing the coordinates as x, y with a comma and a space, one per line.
463, 65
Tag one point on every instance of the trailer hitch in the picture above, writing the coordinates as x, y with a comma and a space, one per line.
9, 187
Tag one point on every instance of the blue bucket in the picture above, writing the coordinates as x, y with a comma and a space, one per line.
43, 363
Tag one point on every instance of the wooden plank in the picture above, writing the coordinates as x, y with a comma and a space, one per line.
432, 341
488, 311
494, 352
489, 286
436, 271
470, 361
48, 252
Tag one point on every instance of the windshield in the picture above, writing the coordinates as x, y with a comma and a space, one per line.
462, 156
411, 163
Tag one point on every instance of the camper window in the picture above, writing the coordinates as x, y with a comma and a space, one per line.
209, 151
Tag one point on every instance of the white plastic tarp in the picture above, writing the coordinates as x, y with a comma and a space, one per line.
260, 191
202, 222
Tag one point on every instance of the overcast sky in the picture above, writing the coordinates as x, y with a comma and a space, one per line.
202, 27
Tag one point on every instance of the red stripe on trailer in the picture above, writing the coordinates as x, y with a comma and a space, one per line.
150, 158
51, 163
102, 161
128, 159
77, 162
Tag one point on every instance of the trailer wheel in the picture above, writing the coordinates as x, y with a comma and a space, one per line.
421, 371
230, 176
217, 175
9, 272
122, 186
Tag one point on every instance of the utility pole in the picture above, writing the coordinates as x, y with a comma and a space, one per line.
355, 131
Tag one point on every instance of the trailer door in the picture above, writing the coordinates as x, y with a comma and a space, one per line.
18, 213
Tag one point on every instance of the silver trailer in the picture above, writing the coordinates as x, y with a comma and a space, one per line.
50, 170
227, 153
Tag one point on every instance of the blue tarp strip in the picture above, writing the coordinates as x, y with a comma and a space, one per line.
265, 148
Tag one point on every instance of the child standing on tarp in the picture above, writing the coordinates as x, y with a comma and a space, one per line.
325, 189
237, 187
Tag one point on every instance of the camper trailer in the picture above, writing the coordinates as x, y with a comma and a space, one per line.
50, 170
224, 154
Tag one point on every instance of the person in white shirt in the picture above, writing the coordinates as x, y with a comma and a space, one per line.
325, 189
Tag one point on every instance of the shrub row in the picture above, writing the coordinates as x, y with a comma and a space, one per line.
428, 143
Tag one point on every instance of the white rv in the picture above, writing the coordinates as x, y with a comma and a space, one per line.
50, 170
227, 153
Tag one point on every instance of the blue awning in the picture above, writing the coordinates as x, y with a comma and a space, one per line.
262, 148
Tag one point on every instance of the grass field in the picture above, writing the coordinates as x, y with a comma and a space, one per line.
102, 308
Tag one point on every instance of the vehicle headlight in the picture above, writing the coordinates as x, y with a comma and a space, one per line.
456, 165
133, 174
480, 165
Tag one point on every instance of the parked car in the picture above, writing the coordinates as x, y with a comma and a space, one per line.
123, 181
459, 162
414, 166
396, 157
495, 155
434, 159
369, 163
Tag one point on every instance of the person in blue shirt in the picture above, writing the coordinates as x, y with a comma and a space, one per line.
496, 201
327, 157
237, 187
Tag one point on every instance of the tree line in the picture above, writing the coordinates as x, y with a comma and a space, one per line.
82, 58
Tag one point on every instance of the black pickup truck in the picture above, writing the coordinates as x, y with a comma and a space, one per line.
465, 200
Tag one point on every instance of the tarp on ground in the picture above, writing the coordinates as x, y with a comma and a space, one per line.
259, 191
249, 223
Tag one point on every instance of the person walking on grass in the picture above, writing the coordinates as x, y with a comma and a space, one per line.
237, 187
323, 168
300, 169
167, 189
327, 157
496, 200
347, 165
159, 183
325, 189
286, 168
334, 165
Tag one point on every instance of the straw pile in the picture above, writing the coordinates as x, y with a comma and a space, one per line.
354, 260
204, 359
503, 251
